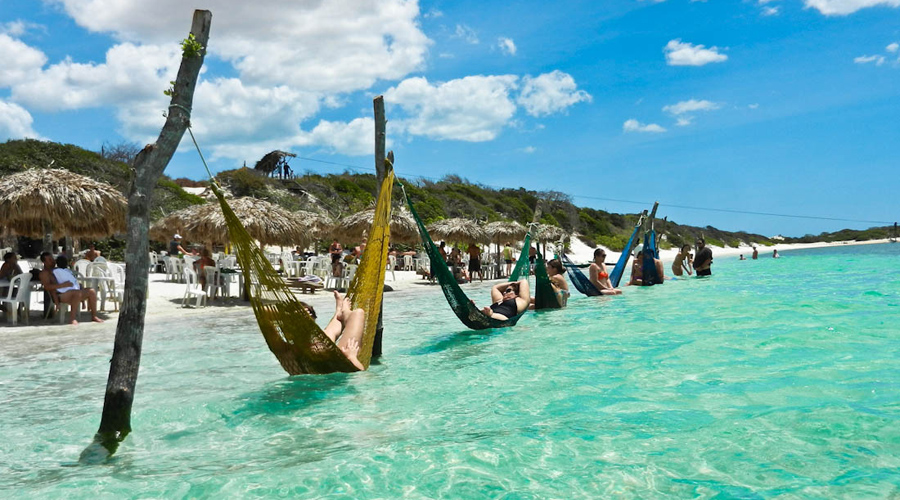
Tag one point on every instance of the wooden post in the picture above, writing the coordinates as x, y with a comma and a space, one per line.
115, 422
380, 139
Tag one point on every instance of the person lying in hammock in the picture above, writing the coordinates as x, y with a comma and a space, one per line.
599, 276
508, 299
346, 328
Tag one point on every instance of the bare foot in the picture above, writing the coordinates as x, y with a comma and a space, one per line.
338, 306
74, 322
95, 319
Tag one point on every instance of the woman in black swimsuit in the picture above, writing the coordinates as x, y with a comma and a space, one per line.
508, 300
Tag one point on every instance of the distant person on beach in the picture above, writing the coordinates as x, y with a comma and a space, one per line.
704, 258
742, 257
346, 327
362, 247
682, 261
92, 253
474, 261
336, 250
599, 276
637, 269
755, 254
202, 263
508, 258
775, 254
443, 251
455, 261
63, 287
532, 254
175, 246
508, 299
10, 267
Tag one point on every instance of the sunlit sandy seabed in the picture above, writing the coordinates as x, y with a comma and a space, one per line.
775, 378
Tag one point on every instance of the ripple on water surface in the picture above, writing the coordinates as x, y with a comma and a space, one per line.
773, 378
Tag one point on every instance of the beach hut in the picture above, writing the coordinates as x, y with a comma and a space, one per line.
55, 202
163, 229
352, 227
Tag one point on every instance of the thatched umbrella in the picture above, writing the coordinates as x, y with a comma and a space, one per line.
40, 202
175, 223
545, 233
504, 231
458, 230
266, 222
352, 227
319, 225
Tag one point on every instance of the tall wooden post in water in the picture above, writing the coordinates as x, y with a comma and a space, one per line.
380, 139
115, 422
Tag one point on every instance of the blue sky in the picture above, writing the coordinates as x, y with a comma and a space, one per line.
775, 106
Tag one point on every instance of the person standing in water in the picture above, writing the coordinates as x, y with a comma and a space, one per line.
682, 261
508, 258
704, 258
755, 253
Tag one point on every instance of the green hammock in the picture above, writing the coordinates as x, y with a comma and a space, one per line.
544, 296
465, 310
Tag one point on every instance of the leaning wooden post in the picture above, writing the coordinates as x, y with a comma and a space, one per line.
380, 134
115, 422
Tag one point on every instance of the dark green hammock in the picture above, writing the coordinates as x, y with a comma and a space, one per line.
544, 296
465, 310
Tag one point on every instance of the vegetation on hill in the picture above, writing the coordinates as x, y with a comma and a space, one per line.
873, 233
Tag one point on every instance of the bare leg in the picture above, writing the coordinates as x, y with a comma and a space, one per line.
354, 327
90, 295
333, 330
73, 298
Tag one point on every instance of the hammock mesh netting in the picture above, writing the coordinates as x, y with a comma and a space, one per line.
582, 283
291, 333
465, 310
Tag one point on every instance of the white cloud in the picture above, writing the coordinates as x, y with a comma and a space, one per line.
878, 60
684, 121
690, 106
893, 47
355, 138
130, 74
466, 33
633, 125
679, 53
474, 108
15, 122
529, 149
433, 14
507, 46
753, 106
19, 61
549, 93
845, 7
770, 11
316, 46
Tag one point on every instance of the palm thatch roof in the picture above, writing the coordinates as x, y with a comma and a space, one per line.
266, 222
546, 233
458, 230
505, 231
72, 204
318, 225
352, 227
175, 223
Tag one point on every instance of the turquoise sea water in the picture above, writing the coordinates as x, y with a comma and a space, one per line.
774, 378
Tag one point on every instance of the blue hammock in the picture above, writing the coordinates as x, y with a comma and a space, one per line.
582, 283
616, 275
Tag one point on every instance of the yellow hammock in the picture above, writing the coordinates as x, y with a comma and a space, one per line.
291, 333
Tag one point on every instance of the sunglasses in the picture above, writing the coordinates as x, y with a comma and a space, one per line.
509, 290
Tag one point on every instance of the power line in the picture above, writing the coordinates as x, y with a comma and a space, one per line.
634, 202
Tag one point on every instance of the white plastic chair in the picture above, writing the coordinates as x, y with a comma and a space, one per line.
392, 263
192, 288
21, 284
214, 284
116, 287
408, 263
81, 267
